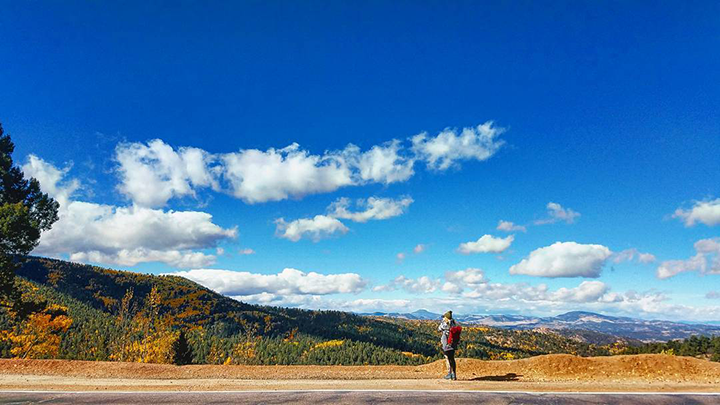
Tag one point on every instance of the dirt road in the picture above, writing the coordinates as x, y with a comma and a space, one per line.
350, 397
552, 373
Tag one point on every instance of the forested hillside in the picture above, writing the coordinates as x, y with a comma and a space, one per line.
94, 313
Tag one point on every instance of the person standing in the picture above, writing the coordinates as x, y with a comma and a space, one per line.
448, 346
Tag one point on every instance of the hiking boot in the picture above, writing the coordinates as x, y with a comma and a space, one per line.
453, 377
449, 376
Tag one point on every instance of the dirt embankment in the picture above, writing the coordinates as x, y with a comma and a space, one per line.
554, 373
549, 368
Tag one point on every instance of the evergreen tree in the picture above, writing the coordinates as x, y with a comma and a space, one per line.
182, 352
24, 213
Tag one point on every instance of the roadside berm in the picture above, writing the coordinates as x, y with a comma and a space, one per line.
542, 373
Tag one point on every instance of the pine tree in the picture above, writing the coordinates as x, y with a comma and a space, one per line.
182, 352
24, 213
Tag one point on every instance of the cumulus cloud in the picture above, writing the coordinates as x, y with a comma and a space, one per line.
419, 248
486, 244
713, 295
471, 293
277, 174
449, 147
564, 259
124, 235
287, 282
373, 208
316, 228
557, 213
52, 180
587, 291
629, 255
152, 173
246, 251
457, 281
705, 212
508, 226
471, 283
381, 164
400, 257
705, 261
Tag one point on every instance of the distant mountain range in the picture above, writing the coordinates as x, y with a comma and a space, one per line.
630, 328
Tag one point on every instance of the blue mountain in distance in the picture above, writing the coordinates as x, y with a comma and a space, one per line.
623, 327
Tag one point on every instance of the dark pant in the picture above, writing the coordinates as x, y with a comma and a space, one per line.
450, 356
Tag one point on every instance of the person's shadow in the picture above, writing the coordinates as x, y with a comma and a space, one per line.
506, 377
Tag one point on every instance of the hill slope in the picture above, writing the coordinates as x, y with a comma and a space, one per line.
137, 317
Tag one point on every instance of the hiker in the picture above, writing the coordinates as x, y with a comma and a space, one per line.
449, 341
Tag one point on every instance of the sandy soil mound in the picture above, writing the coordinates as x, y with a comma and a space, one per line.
563, 367
549, 368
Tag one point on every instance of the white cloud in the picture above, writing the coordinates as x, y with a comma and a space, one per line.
316, 228
646, 258
288, 282
457, 281
381, 164
126, 257
400, 257
713, 295
277, 174
51, 179
419, 248
472, 284
470, 276
124, 235
373, 208
448, 147
557, 213
628, 255
246, 251
480, 296
706, 212
705, 261
486, 244
564, 259
421, 285
508, 226
131, 235
670, 268
522, 295
154, 173
587, 291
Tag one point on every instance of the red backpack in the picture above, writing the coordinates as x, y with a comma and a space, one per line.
454, 335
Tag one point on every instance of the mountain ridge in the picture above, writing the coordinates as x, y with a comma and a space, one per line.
620, 326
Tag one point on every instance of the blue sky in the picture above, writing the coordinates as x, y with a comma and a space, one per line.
609, 111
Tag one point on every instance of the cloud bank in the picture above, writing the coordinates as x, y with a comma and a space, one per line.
287, 282
152, 173
122, 235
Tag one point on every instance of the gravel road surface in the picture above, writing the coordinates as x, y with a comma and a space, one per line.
352, 397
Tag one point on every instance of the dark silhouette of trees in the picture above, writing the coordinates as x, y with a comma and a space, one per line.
182, 352
24, 213
694, 346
